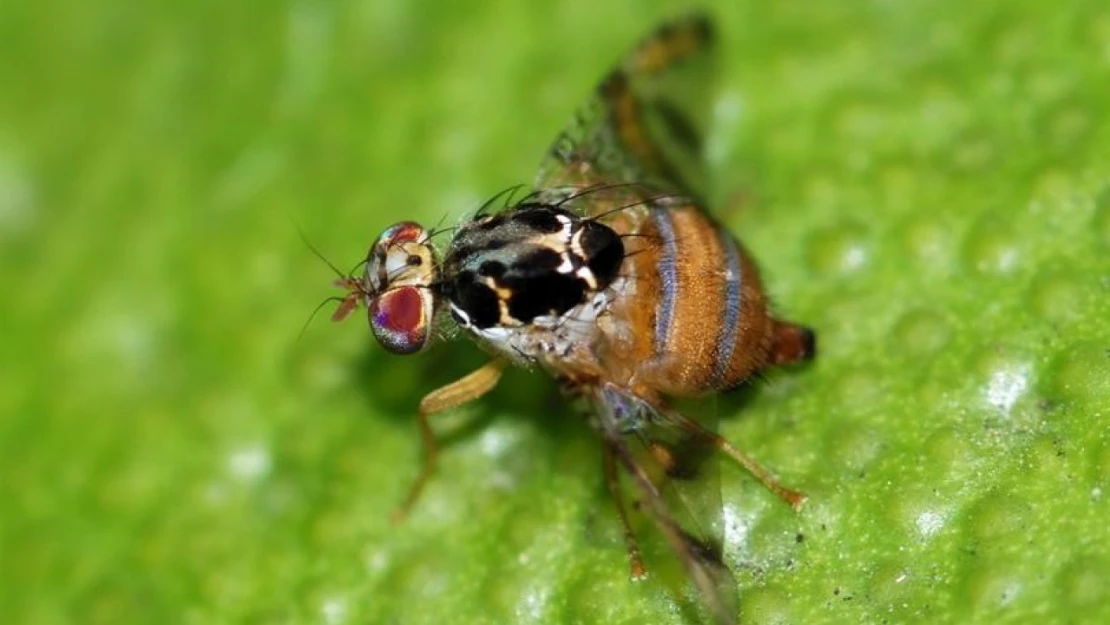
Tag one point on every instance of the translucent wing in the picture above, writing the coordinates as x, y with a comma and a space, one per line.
644, 124
671, 466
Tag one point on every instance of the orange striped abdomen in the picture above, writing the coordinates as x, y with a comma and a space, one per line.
694, 306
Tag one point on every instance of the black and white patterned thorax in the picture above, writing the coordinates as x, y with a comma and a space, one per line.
527, 267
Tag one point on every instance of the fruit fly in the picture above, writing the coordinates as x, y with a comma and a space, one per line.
612, 277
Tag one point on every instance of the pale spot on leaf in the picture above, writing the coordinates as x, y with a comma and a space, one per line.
1006, 386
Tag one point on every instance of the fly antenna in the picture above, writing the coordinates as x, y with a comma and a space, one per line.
347, 303
316, 311
319, 255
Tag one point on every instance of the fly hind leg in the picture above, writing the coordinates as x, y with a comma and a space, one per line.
758, 471
612, 482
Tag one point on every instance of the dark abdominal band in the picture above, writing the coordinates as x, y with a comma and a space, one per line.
730, 317
668, 278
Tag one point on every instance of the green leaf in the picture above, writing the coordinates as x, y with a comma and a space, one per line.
927, 184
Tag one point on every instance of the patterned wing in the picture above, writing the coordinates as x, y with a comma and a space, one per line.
645, 122
671, 469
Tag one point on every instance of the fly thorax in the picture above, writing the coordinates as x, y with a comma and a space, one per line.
525, 278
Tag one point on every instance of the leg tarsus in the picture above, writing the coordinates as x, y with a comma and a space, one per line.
758, 471
636, 567
431, 453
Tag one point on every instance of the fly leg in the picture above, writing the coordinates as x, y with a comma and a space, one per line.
612, 481
791, 344
758, 471
457, 393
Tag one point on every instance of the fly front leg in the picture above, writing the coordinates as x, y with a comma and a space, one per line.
459, 392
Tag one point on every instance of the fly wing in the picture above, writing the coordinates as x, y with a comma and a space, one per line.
672, 478
644, 124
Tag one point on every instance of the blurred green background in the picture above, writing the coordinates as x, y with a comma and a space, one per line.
926, 183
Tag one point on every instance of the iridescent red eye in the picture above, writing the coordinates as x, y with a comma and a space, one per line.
400, 233
401, 319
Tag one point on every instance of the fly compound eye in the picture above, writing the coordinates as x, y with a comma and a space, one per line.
400, 270
401, 256
401, 319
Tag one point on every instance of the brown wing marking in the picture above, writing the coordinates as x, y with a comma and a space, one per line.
644, 123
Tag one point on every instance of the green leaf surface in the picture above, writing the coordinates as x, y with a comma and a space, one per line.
925, 183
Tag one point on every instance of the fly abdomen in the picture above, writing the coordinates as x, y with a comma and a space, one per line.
707, 327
